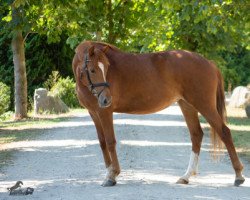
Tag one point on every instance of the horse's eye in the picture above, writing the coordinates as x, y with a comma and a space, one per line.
92, 71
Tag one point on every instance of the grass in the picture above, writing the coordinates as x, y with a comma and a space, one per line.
31, 122
239, 125
240, 129
7, 136
37, 120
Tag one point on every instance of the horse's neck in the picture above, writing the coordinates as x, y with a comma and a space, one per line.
126, 68
126, 61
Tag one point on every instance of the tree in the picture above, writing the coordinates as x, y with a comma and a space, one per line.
102, 20
25, 17
17, 45
203, 26
51, 18
208, 27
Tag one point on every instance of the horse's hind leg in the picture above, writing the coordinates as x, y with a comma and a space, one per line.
196, 134
214, 119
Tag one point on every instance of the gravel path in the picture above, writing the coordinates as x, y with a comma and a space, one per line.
65, 162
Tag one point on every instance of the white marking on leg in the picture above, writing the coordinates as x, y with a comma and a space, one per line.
192, 166
110, 173
101, 66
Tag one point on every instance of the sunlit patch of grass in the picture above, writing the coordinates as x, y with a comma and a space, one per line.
26, 129
36, 120
8, 136
31, 121
240, 129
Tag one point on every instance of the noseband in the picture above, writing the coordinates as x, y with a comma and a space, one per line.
92, 85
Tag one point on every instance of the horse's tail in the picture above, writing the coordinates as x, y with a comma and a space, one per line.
221, 108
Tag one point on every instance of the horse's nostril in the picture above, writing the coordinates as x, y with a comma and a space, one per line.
104, 102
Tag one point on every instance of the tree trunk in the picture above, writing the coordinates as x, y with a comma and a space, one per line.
111, 38
20, 75
98, 35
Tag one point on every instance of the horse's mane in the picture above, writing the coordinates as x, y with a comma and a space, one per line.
105, 44
86, 44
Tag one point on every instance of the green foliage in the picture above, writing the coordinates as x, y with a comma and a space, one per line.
65, 89
5, 97
41, 59
231, 78
201, 26
218, 29
51, 81
6, 65
102, 20
235, 67
6, 116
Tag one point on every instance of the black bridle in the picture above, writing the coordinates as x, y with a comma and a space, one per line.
92, 85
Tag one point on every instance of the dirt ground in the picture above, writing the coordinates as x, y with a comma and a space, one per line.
65, 162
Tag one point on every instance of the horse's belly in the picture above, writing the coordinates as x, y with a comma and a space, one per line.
145, 106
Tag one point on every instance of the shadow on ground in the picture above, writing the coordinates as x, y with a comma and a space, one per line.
65, 162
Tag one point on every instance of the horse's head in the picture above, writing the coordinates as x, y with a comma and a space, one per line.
94, 72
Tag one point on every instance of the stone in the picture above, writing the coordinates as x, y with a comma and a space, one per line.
247, 105
45, 102
239, 97
247, 109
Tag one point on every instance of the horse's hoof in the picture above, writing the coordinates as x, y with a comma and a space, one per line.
182, 181
109, 183
238, 182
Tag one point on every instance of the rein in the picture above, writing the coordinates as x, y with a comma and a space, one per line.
91, 86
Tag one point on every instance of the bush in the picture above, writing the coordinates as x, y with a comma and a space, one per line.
52, 80
4, 97
65, 89
6, 116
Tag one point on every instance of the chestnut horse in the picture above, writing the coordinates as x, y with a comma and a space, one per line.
109, 80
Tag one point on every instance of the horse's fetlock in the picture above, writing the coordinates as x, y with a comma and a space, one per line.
117, 172
239, 168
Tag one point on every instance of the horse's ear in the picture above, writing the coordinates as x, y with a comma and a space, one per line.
91, 50
105, 49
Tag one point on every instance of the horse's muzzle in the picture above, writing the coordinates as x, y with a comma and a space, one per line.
104, 101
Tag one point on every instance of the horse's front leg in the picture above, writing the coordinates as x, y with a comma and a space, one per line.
106, 135
101, 138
